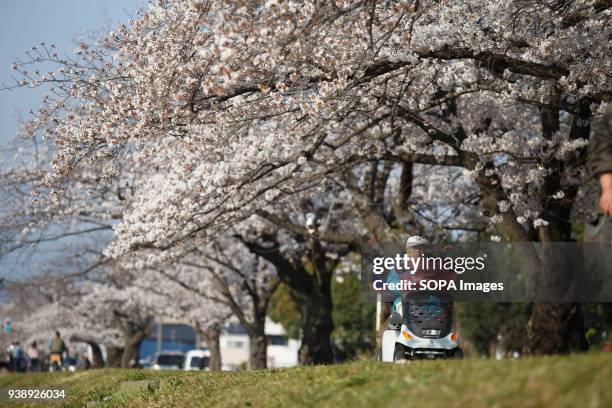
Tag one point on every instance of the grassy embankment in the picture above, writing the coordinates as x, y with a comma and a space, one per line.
572, 381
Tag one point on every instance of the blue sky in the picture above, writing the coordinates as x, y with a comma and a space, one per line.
26, 23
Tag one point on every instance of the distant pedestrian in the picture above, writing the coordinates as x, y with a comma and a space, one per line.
56, 348
34, 357
19, 361
10, 350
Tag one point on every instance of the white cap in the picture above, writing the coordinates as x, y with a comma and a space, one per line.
415, 240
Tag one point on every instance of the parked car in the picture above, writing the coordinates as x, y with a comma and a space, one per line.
197, 360
168, 361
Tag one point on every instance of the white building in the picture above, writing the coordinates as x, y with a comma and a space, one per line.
234, 342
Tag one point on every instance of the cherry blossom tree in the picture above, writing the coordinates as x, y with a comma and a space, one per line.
42, 308
235, 107
226, 277
74, 326
206, 316
194, 297
209, 318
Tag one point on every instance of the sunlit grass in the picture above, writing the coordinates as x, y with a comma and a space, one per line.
561, 381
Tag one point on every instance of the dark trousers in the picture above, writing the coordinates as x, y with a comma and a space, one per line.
18, 365
34, 365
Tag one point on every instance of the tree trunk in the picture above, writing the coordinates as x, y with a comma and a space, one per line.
558, 327
129, 358
317, 328
258, 350
309, 283
211, 336
555, 328
113, 356
97, 361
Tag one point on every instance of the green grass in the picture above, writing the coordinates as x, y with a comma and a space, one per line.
562, 381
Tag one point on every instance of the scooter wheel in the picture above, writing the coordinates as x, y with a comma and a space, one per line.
458, 355
399, 353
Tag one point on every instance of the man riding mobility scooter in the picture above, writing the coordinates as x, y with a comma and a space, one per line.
420, 325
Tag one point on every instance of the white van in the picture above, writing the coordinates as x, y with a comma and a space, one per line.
168, 361
197, 360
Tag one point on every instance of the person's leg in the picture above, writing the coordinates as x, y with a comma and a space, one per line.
55, 361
